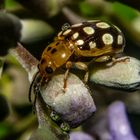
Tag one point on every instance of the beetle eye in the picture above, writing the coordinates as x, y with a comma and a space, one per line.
49, 70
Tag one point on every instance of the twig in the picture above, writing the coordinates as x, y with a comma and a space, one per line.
28, 62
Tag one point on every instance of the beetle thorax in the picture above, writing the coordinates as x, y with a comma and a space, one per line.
55, 55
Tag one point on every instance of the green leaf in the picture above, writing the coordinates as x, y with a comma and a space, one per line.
4, 130
87, 9
124, 12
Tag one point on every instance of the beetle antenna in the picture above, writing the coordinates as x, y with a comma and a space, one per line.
31, 86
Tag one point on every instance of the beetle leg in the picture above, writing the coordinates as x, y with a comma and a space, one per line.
79, 65
68, 66
114, 60
104, 58
83, 66
65, 79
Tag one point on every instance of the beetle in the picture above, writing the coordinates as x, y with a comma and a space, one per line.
80, 43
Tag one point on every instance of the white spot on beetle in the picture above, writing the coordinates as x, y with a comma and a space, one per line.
88, 30
79, 42
120, 40
92, 45
102, 25
77, 25
67, 32
75, 35
94, 20
60, 33
107, 39
117, 28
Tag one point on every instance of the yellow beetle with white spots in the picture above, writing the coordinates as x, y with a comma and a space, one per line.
80, 43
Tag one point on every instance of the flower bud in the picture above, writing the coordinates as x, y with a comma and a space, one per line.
74, 104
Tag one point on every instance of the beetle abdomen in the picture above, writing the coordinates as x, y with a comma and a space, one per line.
94, 38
